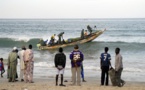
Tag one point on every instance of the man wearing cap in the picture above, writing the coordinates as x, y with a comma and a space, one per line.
21, 54
12, 65
76, 58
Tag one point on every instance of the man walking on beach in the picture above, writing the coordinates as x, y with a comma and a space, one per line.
76, 58
21, 54
104, 65
12, 65
118, 67
29, 65
60, 61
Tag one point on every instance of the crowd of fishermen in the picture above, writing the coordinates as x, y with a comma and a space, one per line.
26, 57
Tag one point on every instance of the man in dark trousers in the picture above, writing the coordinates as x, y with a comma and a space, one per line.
82, 73
89, 29
104, 64
60, 35
118, 68
82, 34
60, 61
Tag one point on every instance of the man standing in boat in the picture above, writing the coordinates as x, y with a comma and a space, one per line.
59, 37
53, 39
82, 34
89, 29
85, 34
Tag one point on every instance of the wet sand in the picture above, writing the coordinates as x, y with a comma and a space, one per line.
49, 84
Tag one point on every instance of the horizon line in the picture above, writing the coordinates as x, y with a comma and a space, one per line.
69, 18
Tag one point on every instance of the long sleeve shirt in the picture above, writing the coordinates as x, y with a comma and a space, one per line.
60, 59
76, 58
12, 58
21, 55
118, 62
28, 55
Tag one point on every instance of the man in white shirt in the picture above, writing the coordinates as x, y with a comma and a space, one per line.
118, 68
21, 54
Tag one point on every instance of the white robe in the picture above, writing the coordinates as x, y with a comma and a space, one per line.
21, 54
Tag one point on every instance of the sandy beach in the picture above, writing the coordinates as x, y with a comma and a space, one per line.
49, 84
59, 23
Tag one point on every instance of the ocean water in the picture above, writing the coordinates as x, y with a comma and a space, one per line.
128, 34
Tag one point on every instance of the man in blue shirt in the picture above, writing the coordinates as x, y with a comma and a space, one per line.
76, 58
104, 64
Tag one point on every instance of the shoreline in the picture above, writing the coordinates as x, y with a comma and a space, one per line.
49, 84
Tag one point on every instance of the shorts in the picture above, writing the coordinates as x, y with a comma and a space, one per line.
60, 71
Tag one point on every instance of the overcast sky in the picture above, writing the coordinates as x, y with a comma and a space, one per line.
72, 8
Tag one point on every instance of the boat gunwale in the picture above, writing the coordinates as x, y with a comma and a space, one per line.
88, 39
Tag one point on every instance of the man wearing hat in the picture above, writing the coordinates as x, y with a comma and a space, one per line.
12, 65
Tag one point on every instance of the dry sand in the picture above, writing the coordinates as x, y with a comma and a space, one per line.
49, 84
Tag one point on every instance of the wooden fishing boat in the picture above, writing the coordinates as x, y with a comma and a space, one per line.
73, 41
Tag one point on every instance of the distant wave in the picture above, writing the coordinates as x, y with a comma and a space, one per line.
126, 35
132, 30
137, 39
10, 42
119, 42
50, 65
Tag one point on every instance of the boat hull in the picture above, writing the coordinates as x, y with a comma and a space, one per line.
85, 40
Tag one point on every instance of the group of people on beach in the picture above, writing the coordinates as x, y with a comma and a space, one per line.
26, 64
26, 57
105, 65
77, 58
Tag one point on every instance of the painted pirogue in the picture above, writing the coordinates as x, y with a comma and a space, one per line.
73, 41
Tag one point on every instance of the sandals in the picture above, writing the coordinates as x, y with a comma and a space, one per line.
61, 85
